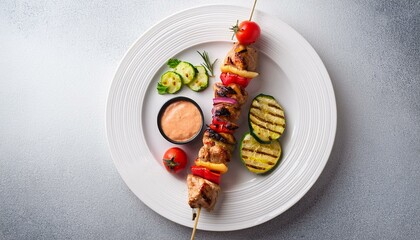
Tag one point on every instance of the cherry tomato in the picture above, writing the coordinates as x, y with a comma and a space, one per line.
247, 32
174, 159
228, 78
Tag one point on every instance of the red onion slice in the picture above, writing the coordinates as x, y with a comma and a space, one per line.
218, 100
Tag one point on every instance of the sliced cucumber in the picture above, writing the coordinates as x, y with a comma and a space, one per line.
170, 82
201, 80
266, 119
186, 70
259, 157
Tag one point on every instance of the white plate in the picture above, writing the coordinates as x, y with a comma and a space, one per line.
290, 70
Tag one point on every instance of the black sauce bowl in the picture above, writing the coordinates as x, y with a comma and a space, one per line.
162, 110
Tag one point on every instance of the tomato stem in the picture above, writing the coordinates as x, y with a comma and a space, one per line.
171, 163
252, 12
235, 28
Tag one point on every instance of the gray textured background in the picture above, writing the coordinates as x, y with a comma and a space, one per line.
58, 181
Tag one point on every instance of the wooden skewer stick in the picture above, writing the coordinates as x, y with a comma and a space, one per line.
195, 223
252, 11
197, 216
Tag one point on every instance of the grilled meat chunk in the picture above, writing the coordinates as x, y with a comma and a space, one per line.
209, 142
226, 138
243, 57
202, 192
227, 111
221, 90
233, 90
215, 154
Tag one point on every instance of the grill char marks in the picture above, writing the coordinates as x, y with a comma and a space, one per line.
266, 118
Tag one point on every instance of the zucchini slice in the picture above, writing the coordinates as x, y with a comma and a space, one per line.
259, 158
170, 82
201, 80
186, 70
266, 119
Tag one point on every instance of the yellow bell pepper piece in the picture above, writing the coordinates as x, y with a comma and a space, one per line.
218, 167
242, 73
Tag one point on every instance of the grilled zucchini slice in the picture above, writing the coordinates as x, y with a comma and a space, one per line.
170, 82
266, 119
201, 80
258, 157
186, 70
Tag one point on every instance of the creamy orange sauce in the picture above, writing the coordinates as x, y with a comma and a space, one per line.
181, 121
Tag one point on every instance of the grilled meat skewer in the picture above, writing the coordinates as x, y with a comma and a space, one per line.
218, 140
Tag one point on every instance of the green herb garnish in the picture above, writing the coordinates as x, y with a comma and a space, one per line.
162, 89
207, 63
172, 63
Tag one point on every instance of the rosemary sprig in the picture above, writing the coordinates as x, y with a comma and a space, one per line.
207, 63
